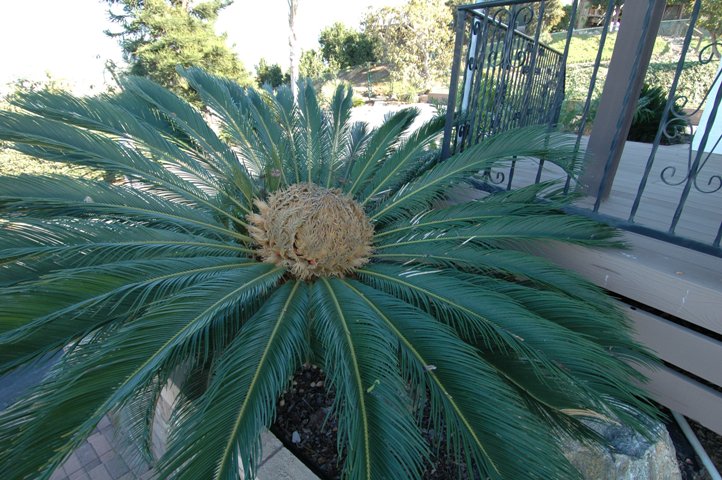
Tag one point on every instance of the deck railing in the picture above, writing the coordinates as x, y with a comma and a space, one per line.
504, 76
511, 79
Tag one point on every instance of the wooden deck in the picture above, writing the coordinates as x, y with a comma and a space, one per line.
702, 214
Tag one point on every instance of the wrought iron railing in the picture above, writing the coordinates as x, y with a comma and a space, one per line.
503, 76
510, 78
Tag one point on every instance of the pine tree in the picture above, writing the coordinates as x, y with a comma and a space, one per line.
159, 35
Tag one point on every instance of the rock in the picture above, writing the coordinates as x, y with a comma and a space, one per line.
629, 456
296, 438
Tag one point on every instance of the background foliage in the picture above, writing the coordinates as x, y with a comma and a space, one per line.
158, 35
343, 47
415, 40
270, 74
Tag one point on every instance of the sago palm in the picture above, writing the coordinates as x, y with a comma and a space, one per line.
279, 233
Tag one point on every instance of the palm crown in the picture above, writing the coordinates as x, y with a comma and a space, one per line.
294, 234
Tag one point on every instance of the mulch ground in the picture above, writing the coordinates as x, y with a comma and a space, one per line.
306, 427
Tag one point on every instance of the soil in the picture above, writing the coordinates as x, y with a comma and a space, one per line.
689, 465
306, 427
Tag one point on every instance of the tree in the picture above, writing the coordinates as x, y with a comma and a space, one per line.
304, 238
554, 13
415, 39
710, 18
158, 35
270, 74
313, 66
344, 47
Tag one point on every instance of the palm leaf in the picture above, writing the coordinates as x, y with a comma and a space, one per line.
380, 143
103, 372
460, 382
240, 400
429, 186
379, 437
395, 169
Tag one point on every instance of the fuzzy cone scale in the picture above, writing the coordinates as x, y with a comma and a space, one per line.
312, 231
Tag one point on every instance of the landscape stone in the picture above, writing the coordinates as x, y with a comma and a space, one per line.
629, 455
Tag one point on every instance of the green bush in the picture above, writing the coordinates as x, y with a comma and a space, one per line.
648, 116
584, 48
302, 239
695, 81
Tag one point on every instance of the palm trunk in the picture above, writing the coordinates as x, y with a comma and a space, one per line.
293, 45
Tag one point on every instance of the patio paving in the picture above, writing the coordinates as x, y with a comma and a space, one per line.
107, 455
101, 458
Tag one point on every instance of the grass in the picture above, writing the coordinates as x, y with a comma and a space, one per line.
583, 48
13, 163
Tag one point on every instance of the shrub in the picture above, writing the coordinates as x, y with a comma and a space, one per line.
304, 238
648, 117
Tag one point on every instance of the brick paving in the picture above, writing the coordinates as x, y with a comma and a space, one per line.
101, 458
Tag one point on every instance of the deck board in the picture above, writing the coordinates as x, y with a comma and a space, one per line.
702, 213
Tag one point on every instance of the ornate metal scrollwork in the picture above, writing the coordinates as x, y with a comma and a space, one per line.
695, 162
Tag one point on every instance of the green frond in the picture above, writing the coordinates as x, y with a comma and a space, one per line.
77, 301
418, 194
376, 428
382, 142
465, 214
230, 104
339, 132
482, 414
522, 266
59, 196
32, 247
497, 323
104, 114
104, 370
312, 135
184, 118
394, 169
240, 401
57, 141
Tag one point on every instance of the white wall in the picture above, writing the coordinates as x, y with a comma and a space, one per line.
714, 123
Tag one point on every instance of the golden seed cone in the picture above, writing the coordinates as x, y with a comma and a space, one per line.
312, 231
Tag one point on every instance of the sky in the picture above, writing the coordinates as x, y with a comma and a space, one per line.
64, 38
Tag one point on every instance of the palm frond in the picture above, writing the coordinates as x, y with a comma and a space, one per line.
522, 266
59, 196
497, 323
339, 132
526, 142
77, 301
395, 169
480, 411
312, 134
32, 247
105, 114
382, 141
376, 428
240, 400
231, 105
104, 370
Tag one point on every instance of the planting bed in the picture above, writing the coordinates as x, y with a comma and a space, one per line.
305, 427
